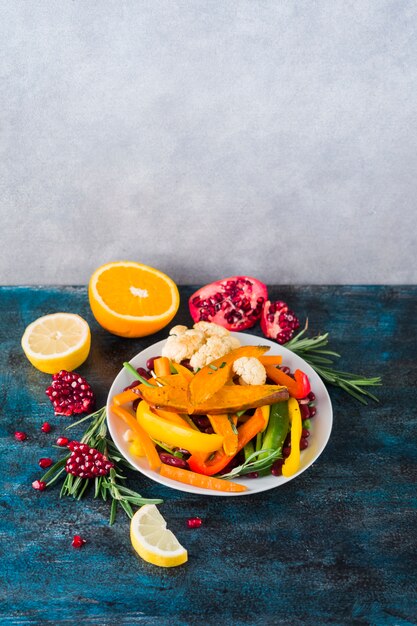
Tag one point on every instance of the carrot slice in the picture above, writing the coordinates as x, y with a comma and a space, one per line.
271, 359
199, 480
246, 432
147, 443
125, 397
222, 425
161, 366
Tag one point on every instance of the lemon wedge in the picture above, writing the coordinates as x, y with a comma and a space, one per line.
60, 341
153, 541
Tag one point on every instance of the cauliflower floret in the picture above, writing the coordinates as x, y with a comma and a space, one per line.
183, 346
178, 330
210, 329
250, 370
214, 348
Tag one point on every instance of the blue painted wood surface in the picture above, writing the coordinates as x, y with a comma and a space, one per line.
335, 546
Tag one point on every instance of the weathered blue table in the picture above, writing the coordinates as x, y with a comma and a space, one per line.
335, 546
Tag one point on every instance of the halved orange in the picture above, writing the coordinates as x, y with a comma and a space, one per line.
131, 299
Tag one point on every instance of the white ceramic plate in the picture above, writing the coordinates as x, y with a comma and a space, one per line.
321, 424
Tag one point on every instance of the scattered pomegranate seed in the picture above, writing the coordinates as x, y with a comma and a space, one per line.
62, 441
78, 541
39, 485
20, 436
44, 463
46, 428
313, 411
303, 443
70, 393
194, 522
305, 433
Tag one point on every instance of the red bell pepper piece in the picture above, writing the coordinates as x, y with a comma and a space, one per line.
298, 387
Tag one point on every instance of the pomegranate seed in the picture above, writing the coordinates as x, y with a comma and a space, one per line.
39, 485
151, 362
44, 463
194, 522
303, 443
276, 469
286, 451
305, 433
78, 541
305, 411
175, 461
313, 411
144, 373
252, 475
20, 436
311, 396
62, 441
46, 428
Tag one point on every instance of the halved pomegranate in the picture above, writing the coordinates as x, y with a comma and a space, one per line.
278, 321
234, 303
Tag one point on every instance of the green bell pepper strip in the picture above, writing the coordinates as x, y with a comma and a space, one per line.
278, 425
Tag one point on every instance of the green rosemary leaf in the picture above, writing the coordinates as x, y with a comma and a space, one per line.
232, 425
126, 507
135, 374
113, 512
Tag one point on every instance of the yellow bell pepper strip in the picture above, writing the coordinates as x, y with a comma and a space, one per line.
203, 465
298, 387
222, 425
161, 366
292, 462
147, 444
199, 480
174, 434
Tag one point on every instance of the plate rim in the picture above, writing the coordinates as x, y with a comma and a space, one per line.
275, 481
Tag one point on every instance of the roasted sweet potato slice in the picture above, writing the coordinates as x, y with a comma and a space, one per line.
229, 399
214, 376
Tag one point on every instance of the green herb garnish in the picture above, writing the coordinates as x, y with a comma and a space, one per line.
110, 486
254, 464
311, 349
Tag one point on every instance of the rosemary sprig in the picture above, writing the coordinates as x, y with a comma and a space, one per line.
312, 350
254, 464
111, 486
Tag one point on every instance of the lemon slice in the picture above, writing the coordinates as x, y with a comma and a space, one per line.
153, 541
60, 341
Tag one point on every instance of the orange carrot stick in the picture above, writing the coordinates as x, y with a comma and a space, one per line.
125, 397
199, 480
147, 443
161, 366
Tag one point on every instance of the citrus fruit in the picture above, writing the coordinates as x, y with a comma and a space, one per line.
60, 341
153, 541
131, 299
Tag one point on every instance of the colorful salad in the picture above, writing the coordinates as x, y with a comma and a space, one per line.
243, 413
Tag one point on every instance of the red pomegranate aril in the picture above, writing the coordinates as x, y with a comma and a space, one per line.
252, 475
132, 385
78, 541
311, 396
194, 522
305, 432
20, 435
150, 363
303, 443
202, 422
46, 428
209, 430
313, 411
285, 369
305, 411
70, 394
44, 463
62, 441
39, 485
286, 451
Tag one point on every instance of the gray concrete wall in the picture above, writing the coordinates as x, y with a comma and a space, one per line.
275, 138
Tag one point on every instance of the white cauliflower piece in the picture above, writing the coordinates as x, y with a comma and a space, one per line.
250, 370
182, 346
210, 329
178, 330
214, 348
